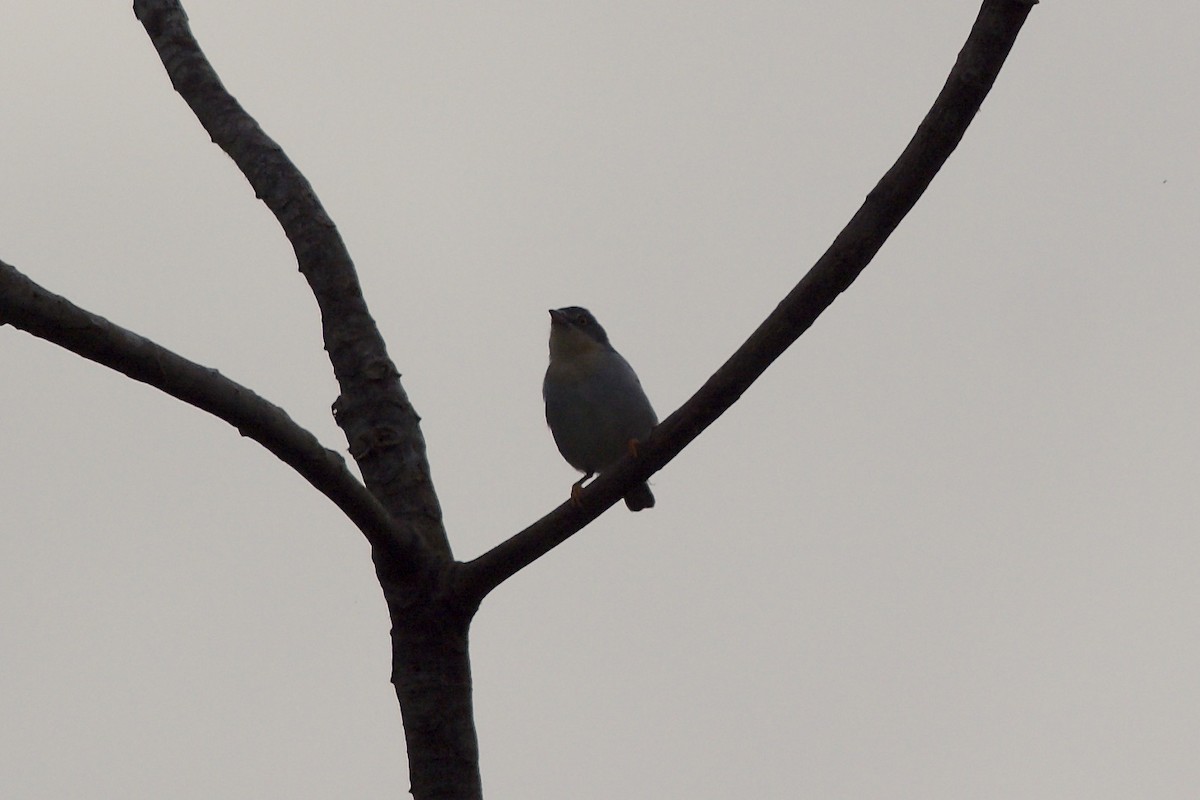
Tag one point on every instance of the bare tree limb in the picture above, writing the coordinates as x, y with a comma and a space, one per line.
373, 410
975, 71
430, 660
48, 316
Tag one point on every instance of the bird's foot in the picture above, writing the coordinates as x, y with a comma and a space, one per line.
577, 490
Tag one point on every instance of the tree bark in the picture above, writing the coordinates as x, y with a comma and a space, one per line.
431, 672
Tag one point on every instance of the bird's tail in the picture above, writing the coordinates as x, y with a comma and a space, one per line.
640, 497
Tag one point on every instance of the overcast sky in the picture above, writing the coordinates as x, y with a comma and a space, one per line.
945, 548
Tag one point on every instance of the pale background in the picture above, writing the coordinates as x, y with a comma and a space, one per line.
946, 548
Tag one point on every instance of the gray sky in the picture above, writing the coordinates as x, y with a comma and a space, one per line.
945, 548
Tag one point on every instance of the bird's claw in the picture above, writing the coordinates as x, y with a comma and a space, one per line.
577, 490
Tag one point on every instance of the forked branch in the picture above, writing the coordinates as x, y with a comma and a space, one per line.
373, 410
28, 306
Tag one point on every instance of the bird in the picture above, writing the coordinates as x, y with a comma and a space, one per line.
595, 405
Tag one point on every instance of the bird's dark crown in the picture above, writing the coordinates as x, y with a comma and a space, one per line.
579, 319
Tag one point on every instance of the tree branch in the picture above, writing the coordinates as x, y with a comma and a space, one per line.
975, 71
48, 316
373, 410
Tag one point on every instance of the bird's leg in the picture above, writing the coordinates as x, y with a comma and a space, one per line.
633, 447
576, 488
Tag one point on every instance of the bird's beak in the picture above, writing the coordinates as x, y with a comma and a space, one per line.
557, 317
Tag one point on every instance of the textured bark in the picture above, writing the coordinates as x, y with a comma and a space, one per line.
431, 672
373, 410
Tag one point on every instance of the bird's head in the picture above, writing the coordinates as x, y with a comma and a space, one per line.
575, 332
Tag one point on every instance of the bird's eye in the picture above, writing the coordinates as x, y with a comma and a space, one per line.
582, 320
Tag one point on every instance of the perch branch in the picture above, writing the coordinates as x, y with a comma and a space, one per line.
975, 71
